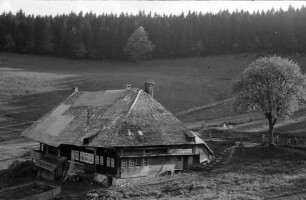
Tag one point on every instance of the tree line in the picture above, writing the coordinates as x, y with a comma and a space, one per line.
105, 36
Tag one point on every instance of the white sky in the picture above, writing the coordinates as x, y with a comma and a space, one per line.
46, 7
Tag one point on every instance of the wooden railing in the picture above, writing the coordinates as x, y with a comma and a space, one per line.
49, 162
36, 154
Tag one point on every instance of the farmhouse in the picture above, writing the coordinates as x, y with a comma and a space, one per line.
115, 136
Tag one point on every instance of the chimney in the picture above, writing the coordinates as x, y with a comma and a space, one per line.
76, 89
149, 88
128, 86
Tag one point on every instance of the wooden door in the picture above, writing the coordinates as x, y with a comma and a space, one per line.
185, 163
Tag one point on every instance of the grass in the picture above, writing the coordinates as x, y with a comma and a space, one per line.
180, 83
218, 114
18, 172
254, 173
35, 84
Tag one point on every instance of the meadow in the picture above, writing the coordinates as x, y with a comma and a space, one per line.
32, 85
180, 84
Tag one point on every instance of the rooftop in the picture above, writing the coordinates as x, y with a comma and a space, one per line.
111, 118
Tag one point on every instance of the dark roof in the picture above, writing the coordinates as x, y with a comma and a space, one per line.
111, 118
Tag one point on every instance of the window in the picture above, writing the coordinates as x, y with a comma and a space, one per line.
179, 158
112, 162
101, 160
76, 155
86, 157
131, 162
145, 161
138, 161
108, 161
124, 162
97, 160
148, 151
82, 156
91, 158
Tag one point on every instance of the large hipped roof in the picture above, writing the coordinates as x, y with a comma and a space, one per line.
111, 118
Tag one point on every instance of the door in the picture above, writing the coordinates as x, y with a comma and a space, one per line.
185, 163
110, 180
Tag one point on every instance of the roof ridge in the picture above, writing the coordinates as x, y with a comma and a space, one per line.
132, 106
129, 112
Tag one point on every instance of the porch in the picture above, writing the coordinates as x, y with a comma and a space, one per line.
51, 167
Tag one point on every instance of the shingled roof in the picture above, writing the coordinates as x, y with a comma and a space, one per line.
111, 118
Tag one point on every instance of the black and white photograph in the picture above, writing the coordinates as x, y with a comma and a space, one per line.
147, 100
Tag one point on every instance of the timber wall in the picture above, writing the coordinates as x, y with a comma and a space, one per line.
157, 166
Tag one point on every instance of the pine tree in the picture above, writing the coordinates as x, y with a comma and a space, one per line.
198, 48
47, 43
9, 43
77, 49
138, 46
105, 36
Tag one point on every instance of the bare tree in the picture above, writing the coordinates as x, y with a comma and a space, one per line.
272, 85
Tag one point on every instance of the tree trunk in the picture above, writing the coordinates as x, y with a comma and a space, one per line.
271, 130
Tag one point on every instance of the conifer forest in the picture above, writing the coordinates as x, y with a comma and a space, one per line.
104, 36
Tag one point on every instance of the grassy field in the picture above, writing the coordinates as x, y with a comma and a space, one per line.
37, 83
33, 85
180, 83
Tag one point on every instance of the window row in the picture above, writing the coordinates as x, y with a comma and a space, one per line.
110, 162
82, 156
89, 158
130, 162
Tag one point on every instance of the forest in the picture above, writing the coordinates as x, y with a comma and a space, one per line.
104, 36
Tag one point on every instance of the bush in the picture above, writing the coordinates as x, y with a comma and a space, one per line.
18, 172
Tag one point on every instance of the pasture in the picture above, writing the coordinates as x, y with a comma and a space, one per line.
180, 83
32, 85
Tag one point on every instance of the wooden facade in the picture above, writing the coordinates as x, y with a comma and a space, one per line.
118, 164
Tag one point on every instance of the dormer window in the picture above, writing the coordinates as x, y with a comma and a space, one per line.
85, 141
192, 139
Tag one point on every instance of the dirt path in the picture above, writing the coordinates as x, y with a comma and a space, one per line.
293, 196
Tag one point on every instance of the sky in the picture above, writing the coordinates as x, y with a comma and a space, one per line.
53, 7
